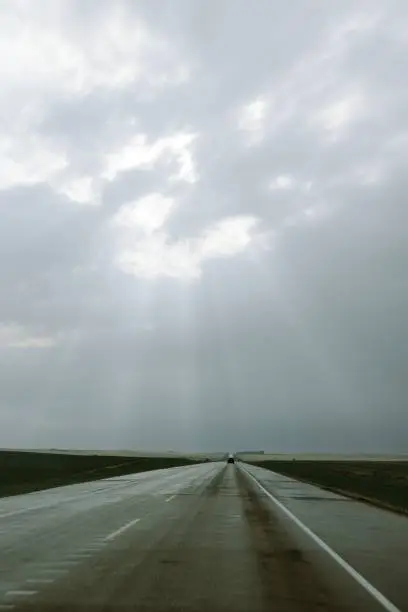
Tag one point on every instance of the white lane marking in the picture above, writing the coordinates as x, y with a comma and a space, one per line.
40, 580
53, 504
81, 555
7, 606
83, 495
170, 498
119, 531
375, 593
165, 474
66, 563
14, 512
20, 593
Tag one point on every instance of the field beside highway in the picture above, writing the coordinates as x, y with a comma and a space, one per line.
384, 483
27, 471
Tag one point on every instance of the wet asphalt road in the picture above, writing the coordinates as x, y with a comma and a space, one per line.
200, 538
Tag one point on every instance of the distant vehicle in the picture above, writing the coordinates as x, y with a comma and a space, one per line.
231, 459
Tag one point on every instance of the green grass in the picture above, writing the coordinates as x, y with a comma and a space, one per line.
384, 483
23, 472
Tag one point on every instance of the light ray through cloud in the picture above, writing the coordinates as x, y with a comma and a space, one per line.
203, 225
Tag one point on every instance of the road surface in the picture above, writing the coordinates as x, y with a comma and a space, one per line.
205, 538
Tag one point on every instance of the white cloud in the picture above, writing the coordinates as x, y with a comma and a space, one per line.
28, 161
139, 153
337, 117
148, 213
316, 76
16, 336
228, 237
157, 256
136, 153
251, 119
81, 189
57, 53
59, 57
181, 148
312, 213
283, 181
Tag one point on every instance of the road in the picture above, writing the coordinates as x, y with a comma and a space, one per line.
204, 538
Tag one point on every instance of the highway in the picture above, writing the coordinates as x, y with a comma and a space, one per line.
204, 538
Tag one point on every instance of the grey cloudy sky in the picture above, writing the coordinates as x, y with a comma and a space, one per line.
203, 224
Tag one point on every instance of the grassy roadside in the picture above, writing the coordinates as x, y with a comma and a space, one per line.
24, 472
381, 483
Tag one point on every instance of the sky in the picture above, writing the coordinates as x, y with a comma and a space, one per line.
203, 224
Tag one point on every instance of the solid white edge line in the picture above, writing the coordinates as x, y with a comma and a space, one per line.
375, 593
119, 531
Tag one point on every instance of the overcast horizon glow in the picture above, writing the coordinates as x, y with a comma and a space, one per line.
203, 225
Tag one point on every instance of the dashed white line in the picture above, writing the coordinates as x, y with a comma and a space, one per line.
53, 504
40, 580
379, 597
119, 531
21, 593
170, 498
7, 606
66, 563
53, 570
22, 511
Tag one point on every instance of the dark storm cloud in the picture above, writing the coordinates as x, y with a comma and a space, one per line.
293, 338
